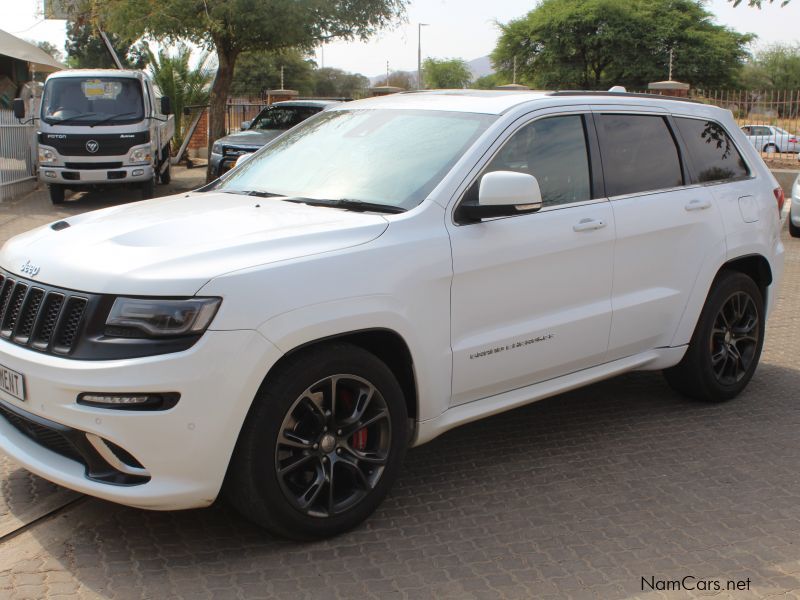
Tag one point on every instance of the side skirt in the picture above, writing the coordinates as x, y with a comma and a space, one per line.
652, 360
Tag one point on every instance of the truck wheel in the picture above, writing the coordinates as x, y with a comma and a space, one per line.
726, 345
148, 189
165, 177
322, 444
56, 193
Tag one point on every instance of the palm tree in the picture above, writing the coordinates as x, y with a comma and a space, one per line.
184, 84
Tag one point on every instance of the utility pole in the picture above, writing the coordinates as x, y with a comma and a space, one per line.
670, 64
387, 73
514, 79
419, 54
283, 88
110, 49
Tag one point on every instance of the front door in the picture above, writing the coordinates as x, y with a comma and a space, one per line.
531, 294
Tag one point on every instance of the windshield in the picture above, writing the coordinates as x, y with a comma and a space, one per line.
283, 117
92, 101
387, 157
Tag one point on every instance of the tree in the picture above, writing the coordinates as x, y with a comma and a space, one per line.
51, 49
487, 82
184, 84
594, 44
335, 83
774, 67
446, 73
86, 50
231, 27
259, 71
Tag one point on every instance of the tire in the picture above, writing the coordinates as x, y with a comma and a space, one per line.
148, 188
56, 193
286, 429
710, 371
771, 148
794, 230
166, 176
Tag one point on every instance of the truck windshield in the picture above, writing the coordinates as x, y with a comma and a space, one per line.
92, 101
388, 157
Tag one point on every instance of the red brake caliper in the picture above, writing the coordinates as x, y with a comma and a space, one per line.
359, 440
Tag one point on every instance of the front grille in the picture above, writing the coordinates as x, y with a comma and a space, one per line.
93, 165
237, 151
38, 316
108, 144
48, 437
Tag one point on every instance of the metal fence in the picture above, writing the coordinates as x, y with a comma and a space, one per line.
770, 118
16, 156
236, 113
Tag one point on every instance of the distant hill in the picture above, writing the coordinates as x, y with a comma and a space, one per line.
479, 67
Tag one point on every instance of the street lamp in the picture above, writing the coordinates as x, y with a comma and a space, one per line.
419, 54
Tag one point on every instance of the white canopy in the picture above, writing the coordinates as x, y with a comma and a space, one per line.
20, 49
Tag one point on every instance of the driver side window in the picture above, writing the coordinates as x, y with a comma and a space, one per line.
552, 149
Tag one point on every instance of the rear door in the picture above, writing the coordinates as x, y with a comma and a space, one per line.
666, 228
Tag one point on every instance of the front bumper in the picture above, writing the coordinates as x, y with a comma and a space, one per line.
185, 449
113, 175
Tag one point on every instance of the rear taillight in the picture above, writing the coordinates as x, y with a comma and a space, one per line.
780, 197
792, 140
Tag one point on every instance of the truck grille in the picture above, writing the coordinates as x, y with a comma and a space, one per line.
108, 144
41, 317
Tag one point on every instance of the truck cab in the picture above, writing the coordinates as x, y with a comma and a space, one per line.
102, 127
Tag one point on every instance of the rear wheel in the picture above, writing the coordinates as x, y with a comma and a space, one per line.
726, 345
165, 177
794, 230
771, 148
322, 444
56, 193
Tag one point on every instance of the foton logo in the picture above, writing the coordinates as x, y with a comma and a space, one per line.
29, 269
92, 146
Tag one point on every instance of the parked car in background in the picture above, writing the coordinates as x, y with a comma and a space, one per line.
387, 270
794, 210
269, 124
768, 138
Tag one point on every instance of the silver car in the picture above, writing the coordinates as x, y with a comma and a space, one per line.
794, 211
268, 124
768, 138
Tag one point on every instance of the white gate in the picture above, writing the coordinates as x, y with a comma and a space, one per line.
16, 156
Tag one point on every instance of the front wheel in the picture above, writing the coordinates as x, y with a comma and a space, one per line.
794, 230
726, 345
769, 148
323, 443
56, 193
166, 176
148, 188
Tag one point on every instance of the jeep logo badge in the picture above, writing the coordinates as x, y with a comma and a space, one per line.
92, 146
29, 269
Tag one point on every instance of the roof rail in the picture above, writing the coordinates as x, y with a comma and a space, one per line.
611, 94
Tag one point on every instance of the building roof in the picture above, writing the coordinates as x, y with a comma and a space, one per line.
14, 47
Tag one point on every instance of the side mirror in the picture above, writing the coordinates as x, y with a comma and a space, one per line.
19, 108
166, 105
244, 125
503, 194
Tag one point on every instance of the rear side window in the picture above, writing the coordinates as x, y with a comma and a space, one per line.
714, 156
639, 154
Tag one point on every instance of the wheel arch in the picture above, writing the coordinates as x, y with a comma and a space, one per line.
388, 345
755, 266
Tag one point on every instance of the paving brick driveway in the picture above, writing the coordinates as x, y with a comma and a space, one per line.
578, 496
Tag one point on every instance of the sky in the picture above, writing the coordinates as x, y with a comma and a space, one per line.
456, 28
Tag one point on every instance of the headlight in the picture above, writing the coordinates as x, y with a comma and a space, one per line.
152, 317
46, 156
216, 148
140, 155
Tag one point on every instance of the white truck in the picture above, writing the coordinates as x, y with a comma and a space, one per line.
102, 127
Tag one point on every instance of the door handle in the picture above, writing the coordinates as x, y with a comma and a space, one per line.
588, 225
698, 205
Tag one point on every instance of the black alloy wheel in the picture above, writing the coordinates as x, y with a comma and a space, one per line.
333, 445
734, 338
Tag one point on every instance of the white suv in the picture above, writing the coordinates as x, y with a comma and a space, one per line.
385, 271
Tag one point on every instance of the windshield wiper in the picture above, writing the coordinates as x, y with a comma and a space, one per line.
54, 121
347, 204
112, 117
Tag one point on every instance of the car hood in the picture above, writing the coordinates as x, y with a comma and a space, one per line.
251, 137
172, 246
